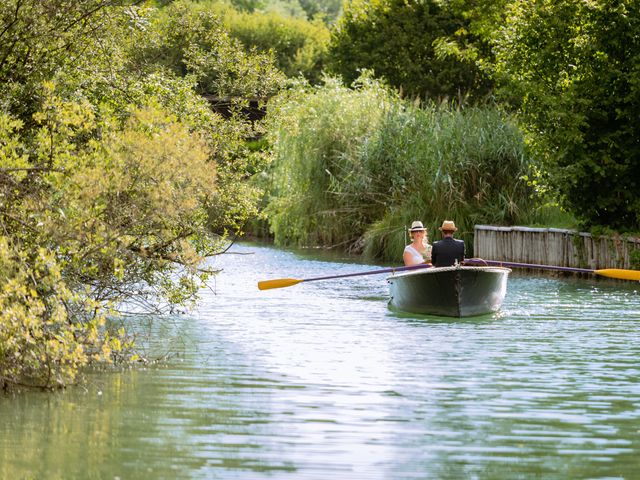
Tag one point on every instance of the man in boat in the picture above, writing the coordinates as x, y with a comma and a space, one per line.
448, 251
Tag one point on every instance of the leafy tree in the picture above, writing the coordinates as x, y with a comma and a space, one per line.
189, 39
284, 8
574, 66
299, 46
38, 37
247, 5
473, 43
328, 10
324, 10
395, 39
89, 224
116, 179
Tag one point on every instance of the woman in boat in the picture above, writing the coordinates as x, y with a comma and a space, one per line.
419, 250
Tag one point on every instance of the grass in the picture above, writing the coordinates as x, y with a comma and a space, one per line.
351, 168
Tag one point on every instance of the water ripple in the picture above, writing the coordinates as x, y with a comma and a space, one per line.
323, 379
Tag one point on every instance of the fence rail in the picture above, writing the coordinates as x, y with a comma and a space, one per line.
553, 246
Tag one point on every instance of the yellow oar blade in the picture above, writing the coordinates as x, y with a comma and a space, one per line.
278, 283
619, 273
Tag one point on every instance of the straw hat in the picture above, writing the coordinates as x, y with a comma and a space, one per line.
417, 227
448, 226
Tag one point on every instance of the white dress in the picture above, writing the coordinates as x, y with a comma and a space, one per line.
416, 256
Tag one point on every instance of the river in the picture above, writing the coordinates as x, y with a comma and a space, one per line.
321, 380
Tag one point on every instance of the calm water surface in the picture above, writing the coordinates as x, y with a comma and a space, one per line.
321, 380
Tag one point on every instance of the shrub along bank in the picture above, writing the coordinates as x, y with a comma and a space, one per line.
351, 168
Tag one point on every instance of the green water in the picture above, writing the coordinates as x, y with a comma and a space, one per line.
321, 380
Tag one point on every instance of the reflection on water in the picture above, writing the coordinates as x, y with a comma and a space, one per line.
322, 379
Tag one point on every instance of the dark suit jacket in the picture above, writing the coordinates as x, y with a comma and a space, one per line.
446, 251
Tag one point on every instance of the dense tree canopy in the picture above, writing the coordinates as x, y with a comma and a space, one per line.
574, 67
116, 178
395, 39
189, 39
299, 46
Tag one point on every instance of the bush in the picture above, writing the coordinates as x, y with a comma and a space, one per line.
352, 168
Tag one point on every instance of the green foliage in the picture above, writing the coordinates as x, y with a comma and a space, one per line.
116, 178
574, 66
189, 39
634, 259
39, 343
395, 39
327, 10
284, 8
205, 39
324, 10
36, 39
315, 132
247, 5
116, 215
482, 20
352, 168
299, 46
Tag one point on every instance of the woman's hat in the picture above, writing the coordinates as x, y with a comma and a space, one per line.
417, 227
448, 226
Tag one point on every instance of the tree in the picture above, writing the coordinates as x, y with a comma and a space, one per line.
116, 181
37, 37
299, 46
574, 66
328, 10
189, 40
395, 39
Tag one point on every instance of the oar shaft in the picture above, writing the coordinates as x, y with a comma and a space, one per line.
287, 282
618, 273
371, 272
495, 263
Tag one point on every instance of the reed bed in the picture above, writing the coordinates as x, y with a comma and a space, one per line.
351, 168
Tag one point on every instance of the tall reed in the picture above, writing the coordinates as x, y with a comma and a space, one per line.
353, 168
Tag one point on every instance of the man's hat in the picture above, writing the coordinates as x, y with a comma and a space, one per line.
448, 226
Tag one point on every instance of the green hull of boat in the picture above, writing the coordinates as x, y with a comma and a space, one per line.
449, 291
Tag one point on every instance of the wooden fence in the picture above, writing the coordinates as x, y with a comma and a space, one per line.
553, 246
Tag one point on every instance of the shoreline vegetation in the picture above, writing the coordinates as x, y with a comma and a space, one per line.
117, 180
352, 167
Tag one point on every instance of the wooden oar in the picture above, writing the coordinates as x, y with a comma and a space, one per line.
618, 273
288, 282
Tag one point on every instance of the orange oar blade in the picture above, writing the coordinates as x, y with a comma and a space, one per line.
278, 283
619, 273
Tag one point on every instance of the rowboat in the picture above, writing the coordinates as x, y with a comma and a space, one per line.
457, 291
